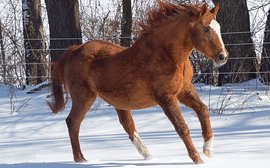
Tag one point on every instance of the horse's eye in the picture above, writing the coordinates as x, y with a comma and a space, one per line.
206, 29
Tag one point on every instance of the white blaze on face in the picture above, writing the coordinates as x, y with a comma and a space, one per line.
216, 27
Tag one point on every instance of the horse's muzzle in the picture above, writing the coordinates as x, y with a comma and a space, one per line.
221, 59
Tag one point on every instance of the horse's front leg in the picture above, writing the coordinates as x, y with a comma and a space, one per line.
191, 99
127, 122
169, 104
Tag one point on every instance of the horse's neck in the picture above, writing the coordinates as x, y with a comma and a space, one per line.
153, 45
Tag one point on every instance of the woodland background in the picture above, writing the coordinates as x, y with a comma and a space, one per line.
34, 33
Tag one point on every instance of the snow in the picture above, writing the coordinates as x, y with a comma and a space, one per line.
33, 137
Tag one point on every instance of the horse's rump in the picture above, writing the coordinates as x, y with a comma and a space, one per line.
88, 52
58, 82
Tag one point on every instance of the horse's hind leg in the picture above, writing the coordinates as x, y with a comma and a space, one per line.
191, 99
80, 105
127, 122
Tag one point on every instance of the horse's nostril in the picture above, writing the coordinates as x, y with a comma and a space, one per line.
221, 57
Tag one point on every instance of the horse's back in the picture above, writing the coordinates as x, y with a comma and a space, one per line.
92, 50
82, 56
77, 68
100, 49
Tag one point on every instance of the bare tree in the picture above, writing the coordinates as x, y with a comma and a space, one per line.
64, 25
233, 16
126, 23
265, 61
12, 44
35, 56
3, 54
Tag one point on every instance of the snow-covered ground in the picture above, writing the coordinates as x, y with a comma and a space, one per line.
33, 137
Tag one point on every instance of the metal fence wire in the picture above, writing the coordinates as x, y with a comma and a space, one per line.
247, 89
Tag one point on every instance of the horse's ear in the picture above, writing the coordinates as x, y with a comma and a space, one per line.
214, 11
204, 10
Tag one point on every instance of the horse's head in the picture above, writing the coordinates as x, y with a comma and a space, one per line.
206, 36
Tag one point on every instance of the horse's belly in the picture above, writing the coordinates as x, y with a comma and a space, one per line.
123, 90
129, 102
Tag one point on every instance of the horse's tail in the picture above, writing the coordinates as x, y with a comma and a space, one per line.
58, 85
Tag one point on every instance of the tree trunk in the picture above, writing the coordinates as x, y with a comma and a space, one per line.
64, 24
265, 61
233, 16
203, 69
3, 54
126, 23
34, 44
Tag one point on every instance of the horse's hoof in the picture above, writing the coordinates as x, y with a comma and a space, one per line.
80, 160
208, 153
199, 161
148, 157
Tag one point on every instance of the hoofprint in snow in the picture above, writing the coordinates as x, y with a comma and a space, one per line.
33, 137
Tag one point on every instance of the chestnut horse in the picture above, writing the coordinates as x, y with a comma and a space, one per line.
155, 71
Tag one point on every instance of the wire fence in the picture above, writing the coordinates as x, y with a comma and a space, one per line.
47, 50
225, 94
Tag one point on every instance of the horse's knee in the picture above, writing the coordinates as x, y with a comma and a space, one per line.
204, 108
183, 132
203, 111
